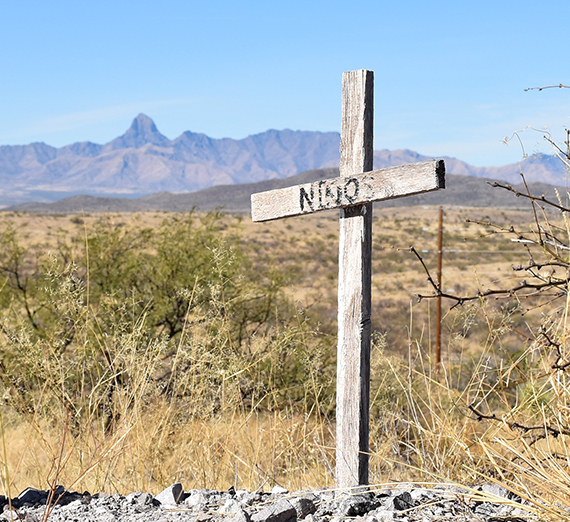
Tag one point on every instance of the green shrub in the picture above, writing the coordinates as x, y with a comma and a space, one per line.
180, 307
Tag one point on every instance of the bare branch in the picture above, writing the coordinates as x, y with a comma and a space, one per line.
546, 429
529, 196
559, 86
499, 292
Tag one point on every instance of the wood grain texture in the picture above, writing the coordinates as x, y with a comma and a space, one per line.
353, 192
354, 287
365, 187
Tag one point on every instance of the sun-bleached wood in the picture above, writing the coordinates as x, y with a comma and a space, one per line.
354, 286
353, 193
367, 187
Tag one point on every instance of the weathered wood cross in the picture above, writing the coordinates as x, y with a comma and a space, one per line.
353, 192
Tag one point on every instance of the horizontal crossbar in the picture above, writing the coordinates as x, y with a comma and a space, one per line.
376, 185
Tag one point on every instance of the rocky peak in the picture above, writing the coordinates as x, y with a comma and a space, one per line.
142, 131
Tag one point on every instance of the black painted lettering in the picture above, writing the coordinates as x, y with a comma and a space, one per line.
304, 196
351, 181
329, 195
321, 184
338, 196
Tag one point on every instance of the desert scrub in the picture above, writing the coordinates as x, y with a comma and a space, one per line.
124, 339
153, 354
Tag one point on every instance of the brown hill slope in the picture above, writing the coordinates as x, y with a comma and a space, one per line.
465, 191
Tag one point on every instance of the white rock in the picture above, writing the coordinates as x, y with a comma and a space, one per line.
230, 507
171, 496
196, 499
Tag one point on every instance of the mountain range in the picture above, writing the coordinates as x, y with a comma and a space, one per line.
143, 161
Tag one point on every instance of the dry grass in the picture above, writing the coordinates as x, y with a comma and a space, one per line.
208, 433
147, 454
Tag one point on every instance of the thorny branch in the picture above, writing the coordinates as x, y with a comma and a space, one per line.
542, 430
500, 292
556, 347
529, 196
545, 240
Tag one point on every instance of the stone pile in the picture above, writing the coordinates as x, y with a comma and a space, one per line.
401, 503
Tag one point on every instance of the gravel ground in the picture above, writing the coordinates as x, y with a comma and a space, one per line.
403, 503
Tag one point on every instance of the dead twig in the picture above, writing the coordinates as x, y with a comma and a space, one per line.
559, 86
501, 292
545, 428
518, 194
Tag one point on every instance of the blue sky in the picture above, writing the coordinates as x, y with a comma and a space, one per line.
450, 76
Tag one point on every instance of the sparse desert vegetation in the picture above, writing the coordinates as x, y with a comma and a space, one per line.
142, 349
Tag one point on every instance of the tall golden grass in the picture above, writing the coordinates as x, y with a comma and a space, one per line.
98, 395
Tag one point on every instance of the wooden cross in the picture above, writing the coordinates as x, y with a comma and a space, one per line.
353, 193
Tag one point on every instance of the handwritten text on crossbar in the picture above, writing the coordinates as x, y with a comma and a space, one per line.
325, 194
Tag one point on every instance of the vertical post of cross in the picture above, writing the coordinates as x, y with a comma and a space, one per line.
354, 287
353, 193
438, 302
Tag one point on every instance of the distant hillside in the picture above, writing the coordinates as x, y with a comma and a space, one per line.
461, 191
143, 161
